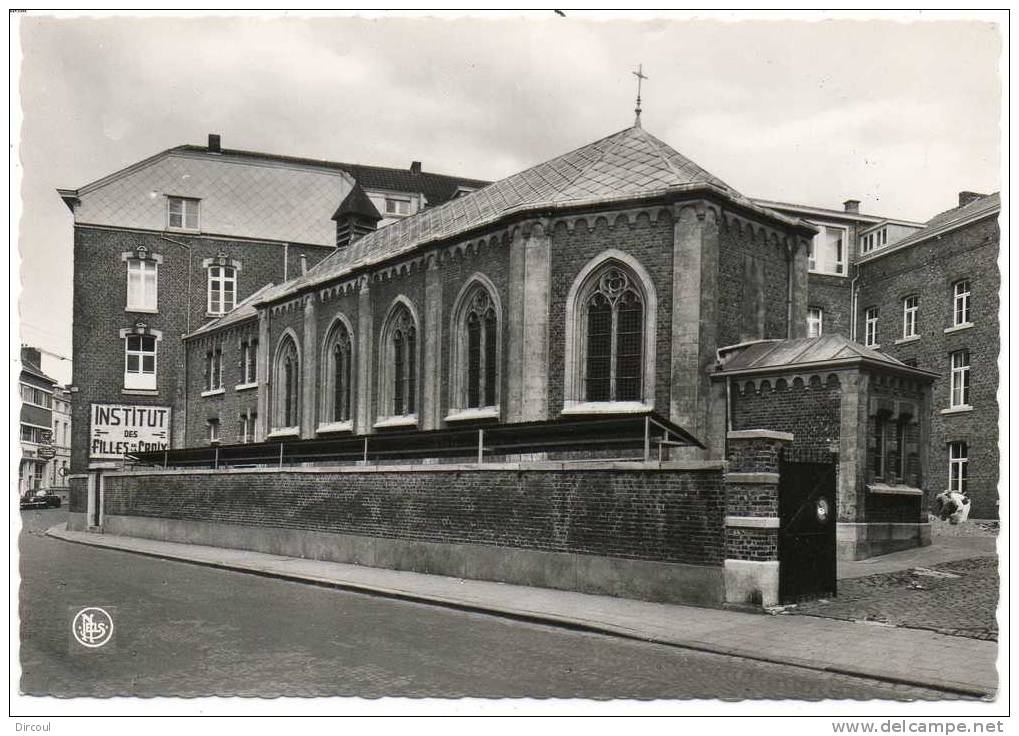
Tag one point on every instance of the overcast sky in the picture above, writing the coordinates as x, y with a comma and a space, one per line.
899, 115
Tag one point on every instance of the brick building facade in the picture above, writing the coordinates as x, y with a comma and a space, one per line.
175, 241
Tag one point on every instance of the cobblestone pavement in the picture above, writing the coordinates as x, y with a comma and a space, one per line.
188, 630
957, 598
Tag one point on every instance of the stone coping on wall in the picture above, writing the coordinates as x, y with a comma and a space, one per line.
595, 465
754, 434
896, 490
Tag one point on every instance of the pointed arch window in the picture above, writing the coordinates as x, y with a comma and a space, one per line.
611, 313
614, 323
476, 342
399, 377
338, 375
286, 385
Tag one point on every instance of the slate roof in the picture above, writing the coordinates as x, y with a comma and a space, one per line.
945, 222
807, 352
628, 164
357, 203
244, 310
437, 188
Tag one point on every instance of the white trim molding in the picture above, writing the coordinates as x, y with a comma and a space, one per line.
752, 522
958, 328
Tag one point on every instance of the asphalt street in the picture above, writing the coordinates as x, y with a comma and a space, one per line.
188, 630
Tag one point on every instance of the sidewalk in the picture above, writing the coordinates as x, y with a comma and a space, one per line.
915, 657
944, 549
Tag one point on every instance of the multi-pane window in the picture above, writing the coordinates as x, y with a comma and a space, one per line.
182, 213
286, 385
910, 310
614, 365
249, 361
958, 466
402, 335
960, 302
815, 322
142, 284
213, 430
339, 372
397, 206
36, 435
826, 251
870, 317
140, 362
222, 289
481, 343
33, 395
960, 378
214, 370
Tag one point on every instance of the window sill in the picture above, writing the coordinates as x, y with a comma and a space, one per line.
607, 407
190, 230
140, 391
347, 426
958, 328
468, 415
826, 273
140, 310
875, 346
214, 392
885, 489
904, 340
284, 432
216, 315
245, 386
957, 409
407, 420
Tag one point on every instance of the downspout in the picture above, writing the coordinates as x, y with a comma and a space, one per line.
187, 328
852, 302
791, 259
286, 255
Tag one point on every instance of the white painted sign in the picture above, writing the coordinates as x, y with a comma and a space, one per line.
118, 429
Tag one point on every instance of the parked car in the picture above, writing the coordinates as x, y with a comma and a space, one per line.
40, 500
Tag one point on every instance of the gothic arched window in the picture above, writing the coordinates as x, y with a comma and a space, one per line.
613, 364
399, 366
476, 349
338, 374
286, 385
610, 330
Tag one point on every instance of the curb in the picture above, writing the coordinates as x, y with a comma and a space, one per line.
542, 617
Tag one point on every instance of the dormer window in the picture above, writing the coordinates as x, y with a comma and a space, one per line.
182, 213
396, 206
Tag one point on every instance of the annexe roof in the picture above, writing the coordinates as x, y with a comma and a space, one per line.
629, 432
626, 165
770, 356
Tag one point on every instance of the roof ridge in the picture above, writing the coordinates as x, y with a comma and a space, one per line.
601, 157
657, 145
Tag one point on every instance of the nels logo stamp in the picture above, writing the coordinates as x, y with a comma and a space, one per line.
92, 627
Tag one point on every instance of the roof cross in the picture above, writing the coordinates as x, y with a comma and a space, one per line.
640, 78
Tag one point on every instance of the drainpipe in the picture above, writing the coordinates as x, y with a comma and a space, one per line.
790, 254
852, 303
187, 328
286, 255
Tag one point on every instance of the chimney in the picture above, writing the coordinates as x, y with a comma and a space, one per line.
31, 357
966, 197
852, 205
214, 142
304, 264
415, 167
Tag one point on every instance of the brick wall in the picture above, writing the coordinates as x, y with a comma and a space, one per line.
100, 299
809, 409
660, 515
228, 406
833, 296
736, 244
651, 243
929, 270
